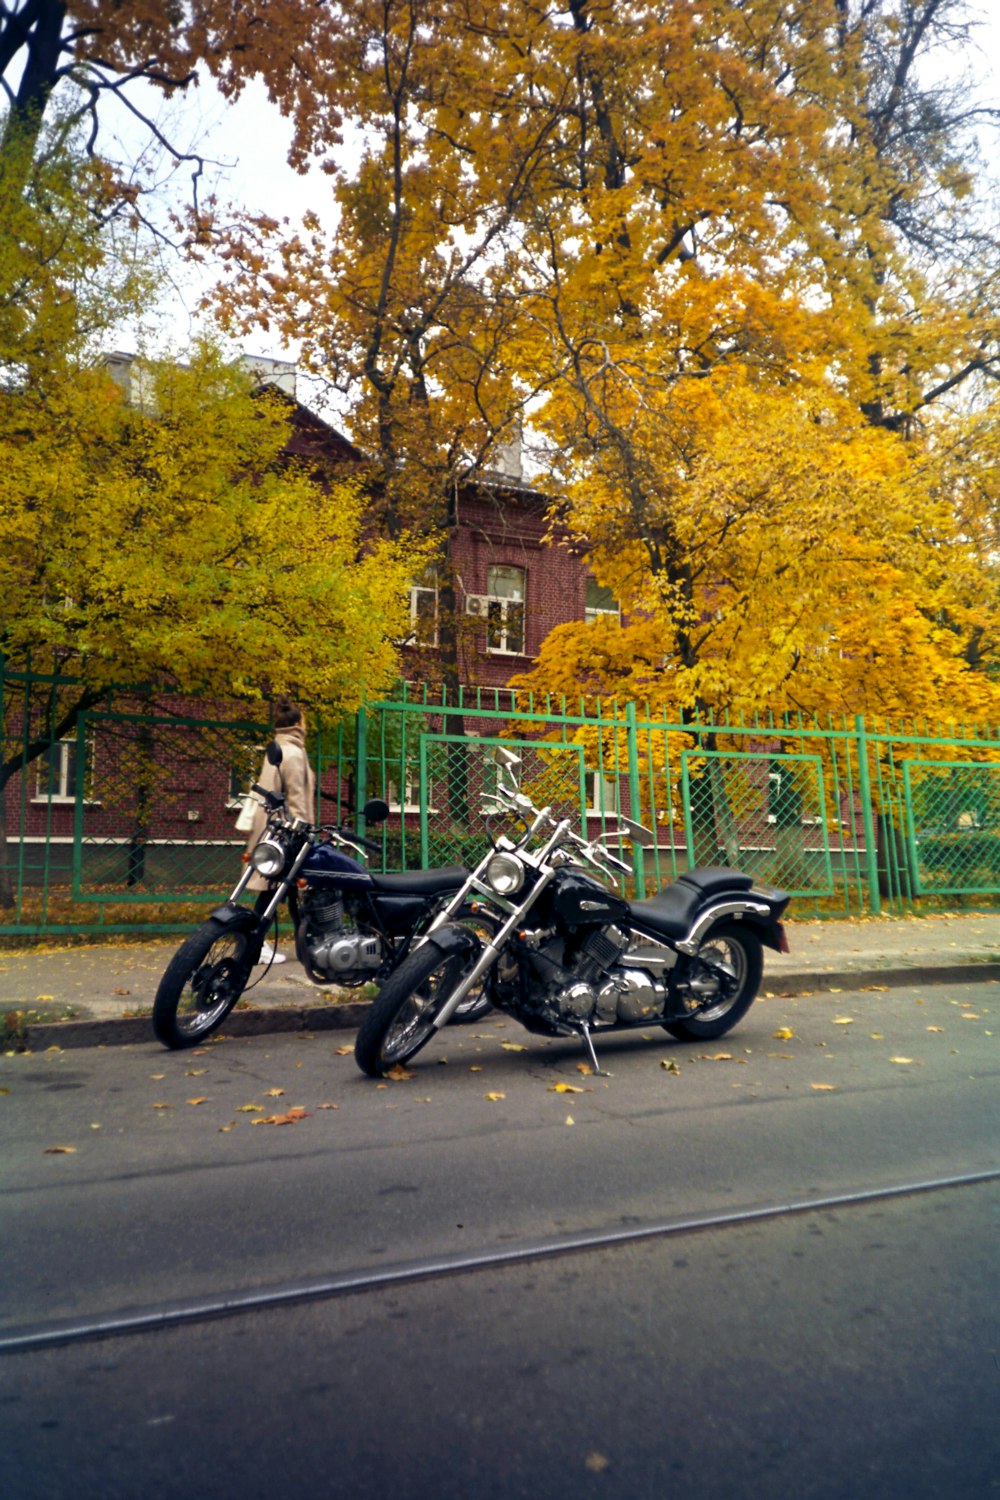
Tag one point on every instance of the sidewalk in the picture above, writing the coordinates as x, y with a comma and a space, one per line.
107, 989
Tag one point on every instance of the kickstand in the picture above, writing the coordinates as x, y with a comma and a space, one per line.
598, 1070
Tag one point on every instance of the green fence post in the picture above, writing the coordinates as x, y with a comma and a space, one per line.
361, 774
865, 789
632, 743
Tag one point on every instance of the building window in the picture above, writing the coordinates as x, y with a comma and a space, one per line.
599, 601
424, 608
602, 793
505, 610
243, 772
58, 776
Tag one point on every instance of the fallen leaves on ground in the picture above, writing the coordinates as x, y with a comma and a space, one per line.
273, 1093
585, 1069
342, 1051
201, 1099
902, 1060
669, 1066
329, 1106
843, 1020
398, 1073
290, 1118
494, 1097
160, 1104
513, 1046
783, 1034
196, 1072
596, 1462
249, 1109
935, 1028
823, 1088
60, 1150
565, 1088
570, 1120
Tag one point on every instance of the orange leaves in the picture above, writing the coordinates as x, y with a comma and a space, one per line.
291, 1117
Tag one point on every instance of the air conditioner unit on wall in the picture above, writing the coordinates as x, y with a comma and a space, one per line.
477, 604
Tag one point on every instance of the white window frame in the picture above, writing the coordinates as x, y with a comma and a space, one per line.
498, 610
417, 589
67, 754
592, 612
603, 795
234, 800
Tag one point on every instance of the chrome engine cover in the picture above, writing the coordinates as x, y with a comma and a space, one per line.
347, 952
631, 995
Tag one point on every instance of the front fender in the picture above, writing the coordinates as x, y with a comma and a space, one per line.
240, 917
454, 939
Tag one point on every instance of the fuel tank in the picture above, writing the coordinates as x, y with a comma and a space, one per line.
326, 866
579, 901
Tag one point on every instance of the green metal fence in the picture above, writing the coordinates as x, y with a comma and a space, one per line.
127, 821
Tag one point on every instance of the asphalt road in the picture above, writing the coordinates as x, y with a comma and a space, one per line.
846, 1350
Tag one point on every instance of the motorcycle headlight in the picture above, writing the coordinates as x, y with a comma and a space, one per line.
505, 874
268, 858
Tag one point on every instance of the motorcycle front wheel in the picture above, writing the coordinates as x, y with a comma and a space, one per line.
402, 1015
477, 1003
202, 983
725, 975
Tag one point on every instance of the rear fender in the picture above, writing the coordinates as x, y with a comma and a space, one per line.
757, 910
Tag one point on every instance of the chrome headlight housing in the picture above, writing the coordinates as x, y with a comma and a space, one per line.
505, 874
268, 858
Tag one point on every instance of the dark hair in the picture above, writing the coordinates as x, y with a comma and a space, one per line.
286, 712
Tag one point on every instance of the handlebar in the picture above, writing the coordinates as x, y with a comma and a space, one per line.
271, 799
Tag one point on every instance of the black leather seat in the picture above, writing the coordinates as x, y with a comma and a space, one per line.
672, 910
422, 882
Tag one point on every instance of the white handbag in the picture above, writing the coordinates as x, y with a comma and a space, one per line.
244, 821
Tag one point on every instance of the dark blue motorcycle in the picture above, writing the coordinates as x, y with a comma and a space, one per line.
351, 927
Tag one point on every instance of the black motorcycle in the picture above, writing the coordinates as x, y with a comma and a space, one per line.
351, 926
569, 957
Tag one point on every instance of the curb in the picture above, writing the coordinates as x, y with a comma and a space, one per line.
130, 1030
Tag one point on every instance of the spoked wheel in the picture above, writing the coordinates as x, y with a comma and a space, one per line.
476, 1003
401, 1019
202, 983
725, 977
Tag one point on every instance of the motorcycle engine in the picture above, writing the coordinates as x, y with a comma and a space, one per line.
591, 986
336, 949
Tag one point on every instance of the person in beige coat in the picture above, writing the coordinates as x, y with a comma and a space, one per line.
294, 779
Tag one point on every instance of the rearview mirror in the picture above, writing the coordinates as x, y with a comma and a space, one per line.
639, 834
506, 758
375, 810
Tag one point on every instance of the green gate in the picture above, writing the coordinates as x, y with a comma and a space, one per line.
458, 777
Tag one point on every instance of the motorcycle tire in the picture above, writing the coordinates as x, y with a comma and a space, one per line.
402, 1015
740, 948
202, 983
477, 1004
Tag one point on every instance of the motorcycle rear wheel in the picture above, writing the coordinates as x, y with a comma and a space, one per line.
739, 949
402, 1015
202, 983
